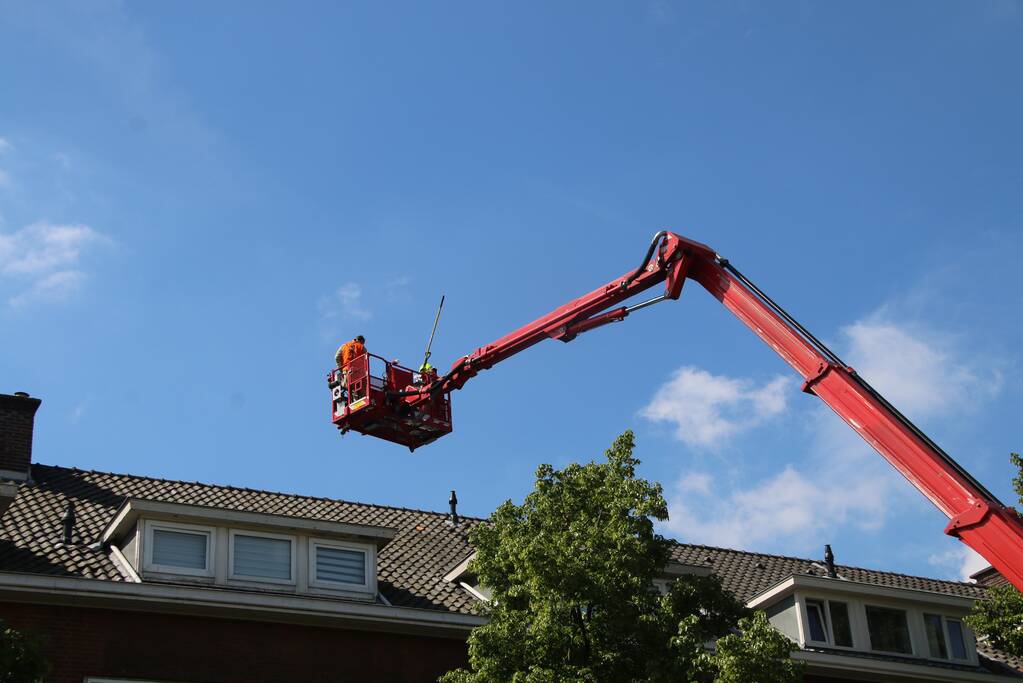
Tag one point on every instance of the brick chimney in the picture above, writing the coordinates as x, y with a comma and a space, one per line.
17, 417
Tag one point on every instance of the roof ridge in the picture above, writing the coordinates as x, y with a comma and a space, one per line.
805, 559
253, 490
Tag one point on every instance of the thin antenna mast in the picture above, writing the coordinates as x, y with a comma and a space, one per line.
429, 345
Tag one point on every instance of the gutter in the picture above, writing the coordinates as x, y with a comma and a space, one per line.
829, 664
233, 604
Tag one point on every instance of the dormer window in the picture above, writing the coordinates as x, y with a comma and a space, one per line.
174, 542
945, 637
828, 622
262, 557
178, 549
889, 630
338, 565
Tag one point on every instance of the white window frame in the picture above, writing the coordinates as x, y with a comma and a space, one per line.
948, 638
908, 613
209, 532
261, 579
829, 632
368, 551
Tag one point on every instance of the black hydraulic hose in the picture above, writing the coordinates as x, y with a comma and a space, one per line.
828, 353
439, 384
831, 356
646, 259
960, 470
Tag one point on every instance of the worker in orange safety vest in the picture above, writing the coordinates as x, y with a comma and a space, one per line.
349, 351
346, 353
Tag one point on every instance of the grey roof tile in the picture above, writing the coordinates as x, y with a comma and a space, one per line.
411, 567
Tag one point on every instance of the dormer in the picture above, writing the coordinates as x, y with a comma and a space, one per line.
834, 615
157, 541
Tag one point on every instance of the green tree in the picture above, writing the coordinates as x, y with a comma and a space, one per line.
21, 659
571, 574
1000, 617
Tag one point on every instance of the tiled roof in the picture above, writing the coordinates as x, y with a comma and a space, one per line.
410, 568
998, 661
746, 574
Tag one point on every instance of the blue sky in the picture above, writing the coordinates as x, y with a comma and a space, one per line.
197, 204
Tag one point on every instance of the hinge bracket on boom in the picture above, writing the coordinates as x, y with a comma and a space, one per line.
967, 519
822, 370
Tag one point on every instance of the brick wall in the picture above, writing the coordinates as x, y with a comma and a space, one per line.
82, 642
17, 416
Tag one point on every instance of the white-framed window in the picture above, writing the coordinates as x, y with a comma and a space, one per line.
175, 548
888, 629
828, 623
945, 637
340, 565
260, 556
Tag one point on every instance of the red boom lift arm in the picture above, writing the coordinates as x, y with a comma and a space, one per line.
976, 516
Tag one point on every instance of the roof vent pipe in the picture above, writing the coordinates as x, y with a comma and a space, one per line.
829, 562
453, 502
68, 522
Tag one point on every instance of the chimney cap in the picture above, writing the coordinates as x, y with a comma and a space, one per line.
829, 562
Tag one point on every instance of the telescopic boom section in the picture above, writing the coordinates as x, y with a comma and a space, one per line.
667, 261
976, 516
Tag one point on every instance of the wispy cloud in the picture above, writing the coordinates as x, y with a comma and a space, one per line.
43, 260
346, 303
78, 412
5, 176
959, 562
53, 288
917, 370
707, 409
43, 248
845, 483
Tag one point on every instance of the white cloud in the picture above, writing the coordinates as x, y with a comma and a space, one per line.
78, 412
44, 259
843, 483
5, 176
960, 562
917, 370
345, 302
708, 409
42, 248
55, 287
695, 482
785, 508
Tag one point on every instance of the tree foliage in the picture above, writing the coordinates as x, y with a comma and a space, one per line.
571, 575
21, 659
1000, 617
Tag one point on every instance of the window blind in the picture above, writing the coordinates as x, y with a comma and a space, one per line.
261, 557
340, 565
179, 549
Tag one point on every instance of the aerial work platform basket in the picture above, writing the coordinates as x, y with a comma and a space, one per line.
380, 398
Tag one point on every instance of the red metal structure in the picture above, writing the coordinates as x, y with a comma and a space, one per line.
373, 399
976, 516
